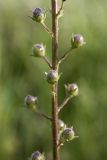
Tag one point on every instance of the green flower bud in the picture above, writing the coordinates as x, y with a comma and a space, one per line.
72, 89
61, 125
31, 102
37, 156
38, 50
39, 15
67, 135
52, 76
77, 41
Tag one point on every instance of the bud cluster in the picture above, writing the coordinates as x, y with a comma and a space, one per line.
39, 50
65, 133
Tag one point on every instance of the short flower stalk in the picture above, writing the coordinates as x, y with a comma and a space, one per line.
61, 133
39, 15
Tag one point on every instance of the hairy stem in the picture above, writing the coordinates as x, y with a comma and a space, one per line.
55, 86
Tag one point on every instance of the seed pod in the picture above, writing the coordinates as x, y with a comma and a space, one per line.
37, 156
38, 50
77, 41
67, 135
72, 89
52, 76
31, 102
39, 15
61, 125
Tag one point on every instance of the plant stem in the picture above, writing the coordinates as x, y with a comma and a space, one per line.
66, 100
47, 29
61, 9
55, 86
44, 115
47, 61
65, 55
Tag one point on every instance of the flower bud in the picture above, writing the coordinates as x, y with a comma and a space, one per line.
38, 50
61, 125
31, 102
52, 76
37, 156
77, 41
67, 135
39, 15
72, 89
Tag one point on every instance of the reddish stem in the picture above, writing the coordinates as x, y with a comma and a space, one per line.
55, 86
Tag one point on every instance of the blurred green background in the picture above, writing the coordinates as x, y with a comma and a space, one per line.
21, 131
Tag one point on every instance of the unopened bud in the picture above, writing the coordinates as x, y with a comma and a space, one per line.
52, 76
39, 15
67, 135
77, 41
38, 50
37, 156
61, 125
72, 89
31, 102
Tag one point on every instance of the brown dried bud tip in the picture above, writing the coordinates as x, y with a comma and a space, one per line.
72, 89
52, 76
37, 156
31, 102
39, 15
77, 41
38, 50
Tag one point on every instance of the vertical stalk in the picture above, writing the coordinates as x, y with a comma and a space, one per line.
55, 86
